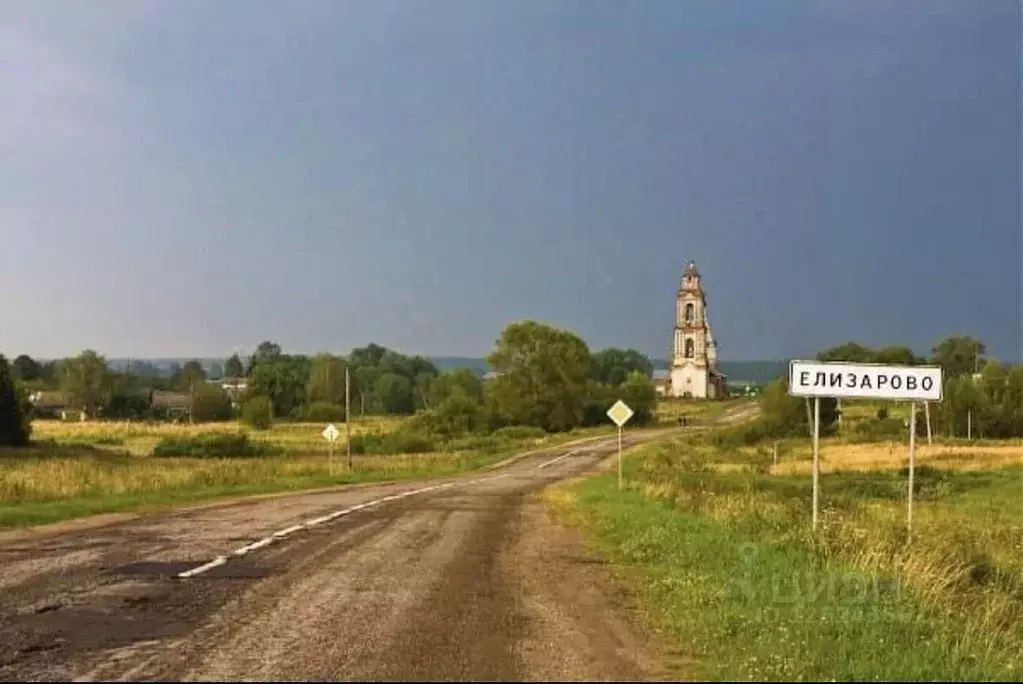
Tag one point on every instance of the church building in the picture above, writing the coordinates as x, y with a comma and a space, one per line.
694, 362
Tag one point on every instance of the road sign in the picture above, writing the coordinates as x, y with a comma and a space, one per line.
331, 433
864, 381
620, 413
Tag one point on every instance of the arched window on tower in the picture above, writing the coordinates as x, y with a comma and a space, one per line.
690, 313
689, 348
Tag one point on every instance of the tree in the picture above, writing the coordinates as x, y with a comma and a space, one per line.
542, 377
853, 352
233, 367
896, 356
210, 403
257, 413
639, 392
457, 414
959, 355
457, 379
281, 379
191, 377
15, 426
395, 393
326, 380
266, 352
87, 382
784, 415
25, 368
612, 366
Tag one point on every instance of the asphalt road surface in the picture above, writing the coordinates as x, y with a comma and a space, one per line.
466, 580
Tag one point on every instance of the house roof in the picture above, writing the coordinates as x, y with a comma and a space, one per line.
48, 399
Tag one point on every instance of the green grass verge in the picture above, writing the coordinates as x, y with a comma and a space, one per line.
750, 597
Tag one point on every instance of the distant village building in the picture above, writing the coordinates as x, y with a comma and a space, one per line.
694, 363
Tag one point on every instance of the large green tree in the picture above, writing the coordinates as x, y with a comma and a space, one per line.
959, 355
190, 377
456, 379
612, 366
87, 382
639, 392
326, 379
233, 367
542, 376
15, 426
25, 368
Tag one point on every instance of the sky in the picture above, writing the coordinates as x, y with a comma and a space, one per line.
186, 178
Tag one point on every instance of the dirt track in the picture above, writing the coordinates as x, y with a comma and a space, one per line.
465, 582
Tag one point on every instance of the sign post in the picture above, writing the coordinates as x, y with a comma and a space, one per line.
330, 433
620, 414
912, 458
840, 380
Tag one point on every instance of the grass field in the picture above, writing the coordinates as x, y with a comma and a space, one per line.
723, 556
79, 469
696, 411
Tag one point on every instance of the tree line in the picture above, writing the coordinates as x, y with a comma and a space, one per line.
545, 377
981, 395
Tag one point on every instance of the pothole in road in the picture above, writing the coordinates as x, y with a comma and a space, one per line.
230, 570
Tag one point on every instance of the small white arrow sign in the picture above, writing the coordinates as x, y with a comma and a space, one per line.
620, 413
331, 433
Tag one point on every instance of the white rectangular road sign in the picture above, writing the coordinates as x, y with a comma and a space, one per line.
864, 381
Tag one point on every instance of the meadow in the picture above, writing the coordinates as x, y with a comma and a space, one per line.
718, 542
75, 469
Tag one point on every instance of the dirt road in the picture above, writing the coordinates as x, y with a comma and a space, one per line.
467, 580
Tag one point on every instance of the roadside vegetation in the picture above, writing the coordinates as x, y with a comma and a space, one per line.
409, 421
714, 530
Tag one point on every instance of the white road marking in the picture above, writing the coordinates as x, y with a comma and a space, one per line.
266, 541
555, 460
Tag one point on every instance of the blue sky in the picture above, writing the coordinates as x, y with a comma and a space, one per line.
190, 178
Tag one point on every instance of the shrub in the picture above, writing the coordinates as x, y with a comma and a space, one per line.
882, 413
256, 413
210, 446
324, 412
210, 403
520, 432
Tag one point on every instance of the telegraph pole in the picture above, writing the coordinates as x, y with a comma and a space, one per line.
348, 420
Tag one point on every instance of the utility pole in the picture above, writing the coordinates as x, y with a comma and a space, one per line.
973, 379
348, 420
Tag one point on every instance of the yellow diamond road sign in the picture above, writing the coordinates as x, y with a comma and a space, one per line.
330, 433
619, 413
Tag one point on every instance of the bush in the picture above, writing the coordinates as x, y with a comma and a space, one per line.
520, 432
402, 442
323, 412
256, 413
882, 413
210, 446
210, 403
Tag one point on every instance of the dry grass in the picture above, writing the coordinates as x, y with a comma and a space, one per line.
139, 438
670, 410
893, 456
64, 477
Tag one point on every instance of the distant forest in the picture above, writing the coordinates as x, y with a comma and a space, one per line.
754, 372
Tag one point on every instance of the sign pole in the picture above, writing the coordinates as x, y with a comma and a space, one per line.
912, 455
927, 414
619, 458
816, 454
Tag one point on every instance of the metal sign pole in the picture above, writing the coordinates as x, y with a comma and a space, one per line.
927, 414
912, 458
619, 458
816, 454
